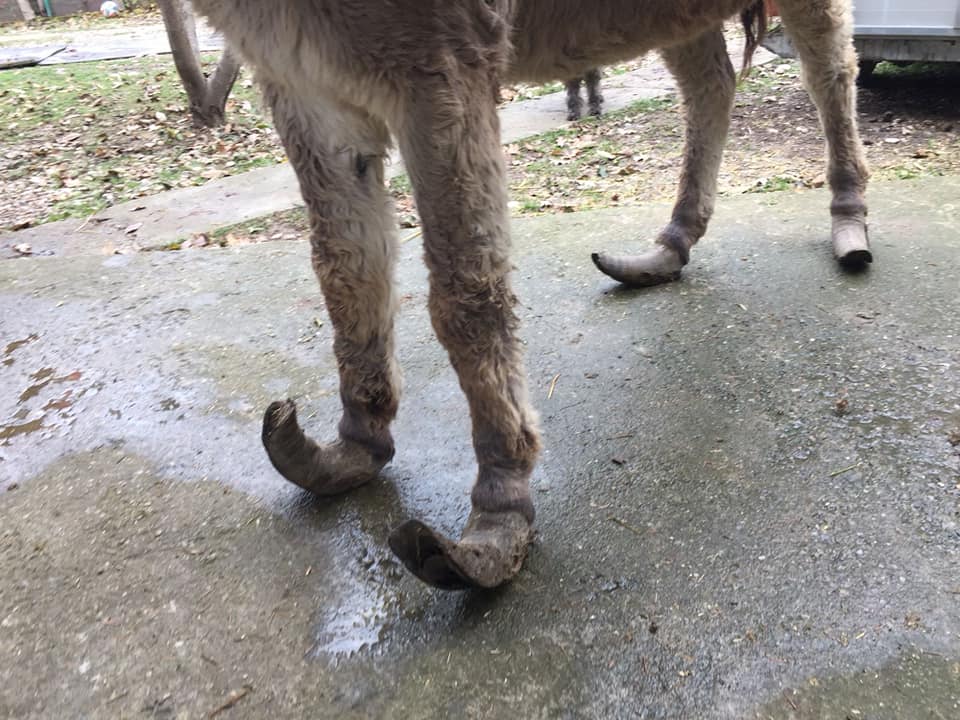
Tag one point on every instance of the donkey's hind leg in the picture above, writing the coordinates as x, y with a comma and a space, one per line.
594, 95
707, 83
574, 101
450, 141
338, 154
822, 32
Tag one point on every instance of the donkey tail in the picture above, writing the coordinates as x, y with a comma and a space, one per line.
754, 20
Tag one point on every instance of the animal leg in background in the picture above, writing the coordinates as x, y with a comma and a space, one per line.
594, 96
450, 140
574, 101
822, 32
707, 83
338, 157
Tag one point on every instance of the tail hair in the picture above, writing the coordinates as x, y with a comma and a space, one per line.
754, 20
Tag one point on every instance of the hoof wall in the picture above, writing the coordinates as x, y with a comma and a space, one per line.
428, 556
489, 554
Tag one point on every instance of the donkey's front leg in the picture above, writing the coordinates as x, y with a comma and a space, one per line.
337, 154
707, 83
450, 140
822, 32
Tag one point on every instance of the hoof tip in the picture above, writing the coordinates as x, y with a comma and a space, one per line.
856, 259
279, 413
427, 555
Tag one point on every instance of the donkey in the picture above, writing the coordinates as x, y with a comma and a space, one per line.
342, 76
594, 97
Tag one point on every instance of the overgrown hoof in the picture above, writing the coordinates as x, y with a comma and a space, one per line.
322, 469
489, 554
851, 245
654, 267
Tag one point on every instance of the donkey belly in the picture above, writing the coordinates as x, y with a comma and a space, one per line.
366, 52
558, 39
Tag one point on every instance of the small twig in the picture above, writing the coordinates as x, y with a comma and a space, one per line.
85, 223
553, 386
841, 471
114, 698
626, 525
412, 236
234, 698
790, 700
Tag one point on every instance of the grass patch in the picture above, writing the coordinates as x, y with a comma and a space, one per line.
83, 136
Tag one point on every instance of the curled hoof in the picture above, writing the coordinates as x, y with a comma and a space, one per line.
322, 469
654, 267
489, 554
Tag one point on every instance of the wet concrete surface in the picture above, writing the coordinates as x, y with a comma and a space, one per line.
749, 502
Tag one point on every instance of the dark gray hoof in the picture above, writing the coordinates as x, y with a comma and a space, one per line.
490, 553
322, 469
856, 260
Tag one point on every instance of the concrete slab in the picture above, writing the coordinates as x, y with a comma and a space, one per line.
714, 540
118, 47
26, 56
105, 42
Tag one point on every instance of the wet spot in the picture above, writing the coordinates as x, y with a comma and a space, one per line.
361, 624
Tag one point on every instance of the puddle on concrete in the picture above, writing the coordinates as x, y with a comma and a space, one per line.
368, 611
914, 685
354, 626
